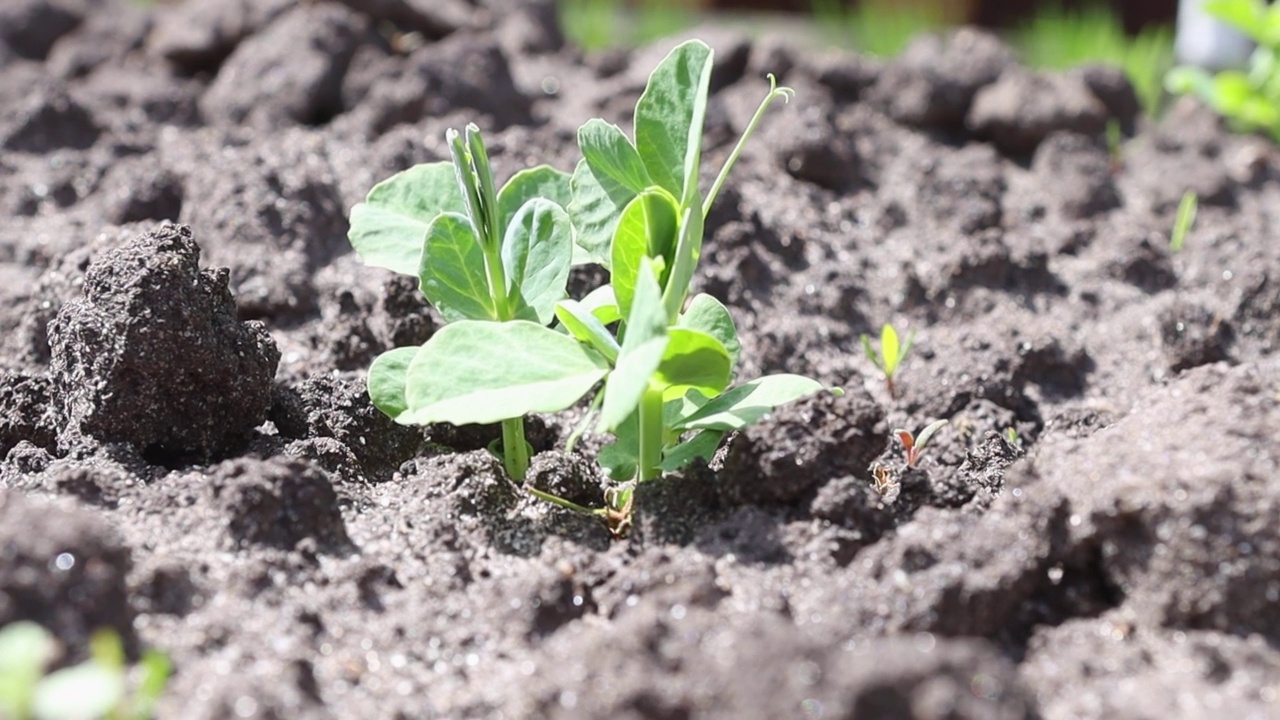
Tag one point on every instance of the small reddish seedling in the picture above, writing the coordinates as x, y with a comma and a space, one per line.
914, 445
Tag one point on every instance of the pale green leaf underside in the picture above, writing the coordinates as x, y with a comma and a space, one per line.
484, 372
747, 403
452, 275
536, 255
389, 227
669, 117
645, 230
387, 380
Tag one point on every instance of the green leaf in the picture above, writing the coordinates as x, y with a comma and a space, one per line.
702, 445
669, 118
453, 274
597, 203
926, 434
1230, 92
709, 315
536, 254
745, 404
587, 328
889, 349
619, 458
609, 152
25, 648
603, 303
542, 181
643, 347
389, 227
84, 692
155, 669
387, 379
647, 229
483, 372
1248, 16
107, 650
688, 251
693, 360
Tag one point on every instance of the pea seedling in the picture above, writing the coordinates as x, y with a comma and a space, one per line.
493, 262
639, 212
889, 358
913, 445
1183, 222
102, 686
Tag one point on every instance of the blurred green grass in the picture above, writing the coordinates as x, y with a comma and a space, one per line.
1054, 38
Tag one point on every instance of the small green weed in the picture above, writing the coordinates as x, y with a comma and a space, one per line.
1184, 221
1250, 101
880, 28
104, 686
1058, 39
603, 24
890, 355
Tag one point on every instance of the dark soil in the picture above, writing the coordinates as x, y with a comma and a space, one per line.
189, 456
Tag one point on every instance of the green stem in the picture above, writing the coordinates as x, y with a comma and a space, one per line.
497, 278
567, 504
775, 92
651, 435
515, 452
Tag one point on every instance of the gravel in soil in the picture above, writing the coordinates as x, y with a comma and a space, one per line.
187, 454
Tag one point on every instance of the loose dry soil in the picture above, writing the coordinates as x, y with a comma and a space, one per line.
183, 331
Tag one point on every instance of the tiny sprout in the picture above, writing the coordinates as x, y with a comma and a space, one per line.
1115, 145
891, 354
913, 445
1186, 218
1011, 436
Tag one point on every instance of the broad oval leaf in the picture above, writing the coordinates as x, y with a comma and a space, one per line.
387, 380
709, 315
669, 118
647, 229
643, 347
607, 149
542, 181
587, 328
390, 226
536, 254
483, 372
747, 403
693, 360
597, 202
453, 274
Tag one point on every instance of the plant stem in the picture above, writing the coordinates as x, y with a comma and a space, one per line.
651, 432
515, 452
567, 504
775, 92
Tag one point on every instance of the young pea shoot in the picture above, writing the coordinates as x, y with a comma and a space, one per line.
914, 446
889, 358
639, 212
1185, 219
494, 263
